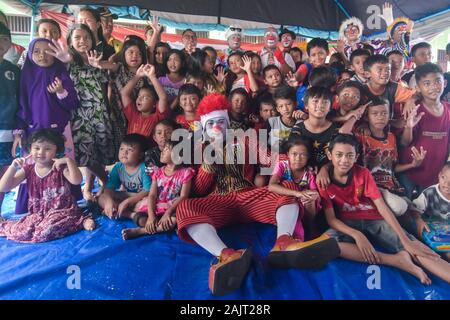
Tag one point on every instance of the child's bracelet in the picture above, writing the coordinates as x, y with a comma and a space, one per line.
62, 95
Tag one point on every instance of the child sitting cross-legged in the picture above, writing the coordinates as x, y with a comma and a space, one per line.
53, 211
433, 204
171, 184
297, 171
358, 216
129, 173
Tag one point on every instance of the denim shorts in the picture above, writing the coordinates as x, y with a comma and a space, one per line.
378, 232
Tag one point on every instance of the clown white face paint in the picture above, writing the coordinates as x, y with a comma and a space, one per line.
234, 42
352, 33
286, 40
271, 39
215, 128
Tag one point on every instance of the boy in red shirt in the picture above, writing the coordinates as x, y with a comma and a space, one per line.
429, 130
141, 114
356, 212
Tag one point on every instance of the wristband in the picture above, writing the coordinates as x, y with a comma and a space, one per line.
62, 95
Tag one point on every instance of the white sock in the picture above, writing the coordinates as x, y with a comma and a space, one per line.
286, 218
206, 236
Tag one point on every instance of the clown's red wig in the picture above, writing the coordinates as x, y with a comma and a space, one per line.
212, 102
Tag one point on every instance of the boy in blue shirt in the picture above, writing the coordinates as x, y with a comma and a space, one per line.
129, 173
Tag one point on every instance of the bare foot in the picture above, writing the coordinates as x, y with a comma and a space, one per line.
132, 233
89, 224
405, 263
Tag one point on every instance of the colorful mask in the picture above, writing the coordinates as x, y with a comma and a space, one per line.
216, 128
286, 40
234, 36
271, 38
351, 30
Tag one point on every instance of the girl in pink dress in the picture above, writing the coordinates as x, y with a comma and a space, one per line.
53, 211
170, 185
301, 183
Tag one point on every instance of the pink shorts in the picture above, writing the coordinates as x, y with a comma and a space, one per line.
142, 206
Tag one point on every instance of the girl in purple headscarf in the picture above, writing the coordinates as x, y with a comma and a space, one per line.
47, 99
47, 94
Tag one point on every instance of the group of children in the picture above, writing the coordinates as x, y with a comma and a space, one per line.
361, 149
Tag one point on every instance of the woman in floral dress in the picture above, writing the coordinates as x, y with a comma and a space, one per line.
91, 122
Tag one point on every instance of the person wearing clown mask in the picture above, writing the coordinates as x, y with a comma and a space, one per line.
398, 30
271, 54
287, 38
350, 34
350, 38
215, 129
234, 38
229, 196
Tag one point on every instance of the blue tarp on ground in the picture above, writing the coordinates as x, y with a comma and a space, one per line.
164, 267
